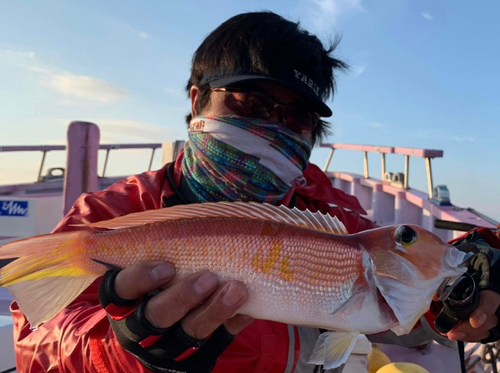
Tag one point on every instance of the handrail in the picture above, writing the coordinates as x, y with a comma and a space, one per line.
27, 148
428, 154
108, 147
421, 153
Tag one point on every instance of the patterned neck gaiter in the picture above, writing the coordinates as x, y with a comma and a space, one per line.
230, 158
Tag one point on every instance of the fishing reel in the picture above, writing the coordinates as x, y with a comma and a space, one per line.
460, 297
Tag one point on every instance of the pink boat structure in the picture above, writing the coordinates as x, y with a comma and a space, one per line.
35, 208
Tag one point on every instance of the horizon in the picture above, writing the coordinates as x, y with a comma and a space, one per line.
423, 75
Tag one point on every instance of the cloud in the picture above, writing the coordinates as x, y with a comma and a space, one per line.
71, 85
463, 139
375, 125
359, 62
80, 86
358, 70
36, 69
427, 16
86, 87
124, 29
325, 15
30, 55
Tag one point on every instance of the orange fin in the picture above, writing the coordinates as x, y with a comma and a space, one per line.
252, 210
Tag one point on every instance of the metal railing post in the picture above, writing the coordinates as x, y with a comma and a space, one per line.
366, 166
105, 163
328, 160
383, 166
39, 178
429, 176
151, 160
407, 171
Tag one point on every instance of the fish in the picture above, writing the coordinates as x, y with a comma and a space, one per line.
300, 267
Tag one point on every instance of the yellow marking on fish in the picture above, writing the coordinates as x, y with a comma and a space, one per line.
102, 247
267, 265
285, 271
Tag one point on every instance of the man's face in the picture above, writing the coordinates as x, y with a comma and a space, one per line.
221, 103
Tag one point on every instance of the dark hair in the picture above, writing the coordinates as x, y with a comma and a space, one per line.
264, 43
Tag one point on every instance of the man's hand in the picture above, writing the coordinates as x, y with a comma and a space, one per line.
193, 316
182, 300
482, 319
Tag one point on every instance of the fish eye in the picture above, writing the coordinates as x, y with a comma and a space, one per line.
405, 235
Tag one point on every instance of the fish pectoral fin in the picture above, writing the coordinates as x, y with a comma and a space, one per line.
333, 349
350, 306
408, 294
109, 266
407, 302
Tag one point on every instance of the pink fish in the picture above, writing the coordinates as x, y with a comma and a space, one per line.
300, 268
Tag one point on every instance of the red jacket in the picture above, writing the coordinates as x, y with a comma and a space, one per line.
80, 339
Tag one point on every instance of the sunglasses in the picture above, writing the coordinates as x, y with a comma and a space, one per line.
296, 117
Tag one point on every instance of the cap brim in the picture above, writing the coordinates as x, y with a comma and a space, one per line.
318, 105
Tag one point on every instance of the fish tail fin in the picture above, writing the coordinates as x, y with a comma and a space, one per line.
47, 273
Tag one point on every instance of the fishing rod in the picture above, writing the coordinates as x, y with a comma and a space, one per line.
458, 226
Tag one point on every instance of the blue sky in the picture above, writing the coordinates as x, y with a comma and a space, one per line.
423, 74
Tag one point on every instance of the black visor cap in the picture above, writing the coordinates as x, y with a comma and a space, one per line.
297, 83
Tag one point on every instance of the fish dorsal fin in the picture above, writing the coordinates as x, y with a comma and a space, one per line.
263, 211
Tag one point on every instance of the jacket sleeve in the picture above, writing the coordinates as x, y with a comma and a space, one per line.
80, 339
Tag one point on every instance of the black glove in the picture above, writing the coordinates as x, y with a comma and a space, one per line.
488, 265
168, 350
483, 273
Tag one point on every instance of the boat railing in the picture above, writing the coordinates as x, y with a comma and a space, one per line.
34, 148
107, 147
390, 200
34, 208
427, 154
81, 173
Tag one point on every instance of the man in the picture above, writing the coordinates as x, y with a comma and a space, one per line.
257, 89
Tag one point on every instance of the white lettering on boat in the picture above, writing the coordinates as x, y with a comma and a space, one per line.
14, 208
